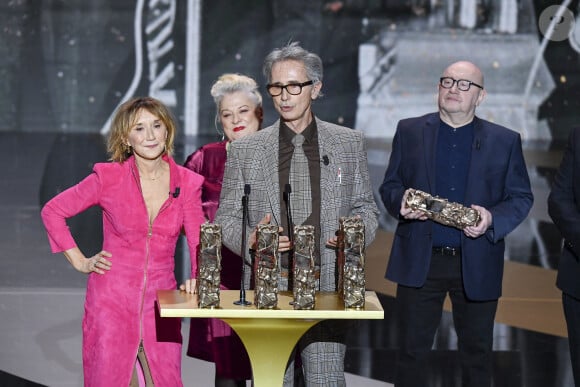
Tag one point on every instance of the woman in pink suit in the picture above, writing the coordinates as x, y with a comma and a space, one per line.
146, 199
239, 112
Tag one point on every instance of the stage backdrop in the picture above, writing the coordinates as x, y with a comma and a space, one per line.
66, 65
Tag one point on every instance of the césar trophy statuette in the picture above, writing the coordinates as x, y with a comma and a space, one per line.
266, 267
351, 261
441, 210
304, 285
209, 265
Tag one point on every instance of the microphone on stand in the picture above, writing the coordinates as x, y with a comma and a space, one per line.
242, 301
286, 197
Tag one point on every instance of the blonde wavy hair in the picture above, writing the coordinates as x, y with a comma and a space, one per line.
124, 120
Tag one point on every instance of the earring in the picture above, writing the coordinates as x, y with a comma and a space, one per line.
217, 124
223, 134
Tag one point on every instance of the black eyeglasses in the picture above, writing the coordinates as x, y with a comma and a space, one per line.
462, 84
291, 88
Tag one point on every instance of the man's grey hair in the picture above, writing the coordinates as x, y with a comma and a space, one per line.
293, 51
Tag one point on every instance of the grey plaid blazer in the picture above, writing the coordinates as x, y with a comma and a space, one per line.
344, 186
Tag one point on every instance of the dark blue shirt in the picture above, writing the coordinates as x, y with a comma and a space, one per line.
453, 155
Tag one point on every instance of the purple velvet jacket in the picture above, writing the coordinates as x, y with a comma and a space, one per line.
212, 339
210, 162
120, 307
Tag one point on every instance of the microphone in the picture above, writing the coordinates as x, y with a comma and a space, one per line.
325, 160
477, 144
242, 301
176, 193
286, 197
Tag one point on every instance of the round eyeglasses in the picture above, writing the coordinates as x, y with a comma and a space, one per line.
292, 88
462, 84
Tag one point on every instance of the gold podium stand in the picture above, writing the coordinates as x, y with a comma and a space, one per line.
269, 335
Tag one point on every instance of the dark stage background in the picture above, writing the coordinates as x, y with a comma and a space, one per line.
66, 64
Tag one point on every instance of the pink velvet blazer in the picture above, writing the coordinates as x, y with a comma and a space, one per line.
120, 307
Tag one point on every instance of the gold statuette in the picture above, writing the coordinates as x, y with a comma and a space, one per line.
441, 210
304, 288
351, 245
266, 267
209, 265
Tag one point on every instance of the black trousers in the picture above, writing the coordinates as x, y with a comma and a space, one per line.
419, 313
572, 314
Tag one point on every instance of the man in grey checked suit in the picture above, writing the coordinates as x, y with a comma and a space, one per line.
339, 186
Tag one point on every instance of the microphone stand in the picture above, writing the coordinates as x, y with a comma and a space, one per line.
242, 301
287, 192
